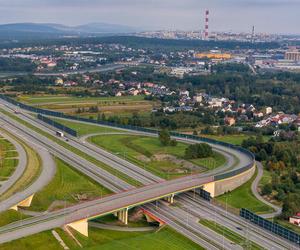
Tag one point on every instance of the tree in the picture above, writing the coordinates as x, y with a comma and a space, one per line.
164, 137
201, 150
267, 189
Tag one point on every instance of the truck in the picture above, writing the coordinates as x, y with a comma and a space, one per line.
59, 133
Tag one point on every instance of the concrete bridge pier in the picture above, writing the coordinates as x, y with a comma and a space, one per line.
123, 216
170, 198
24, 203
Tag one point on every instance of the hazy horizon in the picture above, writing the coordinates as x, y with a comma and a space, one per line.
270, 16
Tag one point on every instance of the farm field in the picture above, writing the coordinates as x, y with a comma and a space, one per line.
123, 105
147, 152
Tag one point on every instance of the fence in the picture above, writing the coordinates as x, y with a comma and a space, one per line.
270, 226
57, 125
141, 129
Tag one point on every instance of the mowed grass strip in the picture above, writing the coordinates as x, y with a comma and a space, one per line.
165, 239
230, 235
85, 128
8, 159
242, 197
91, 159
141, 149
40, 241
31, 173
11, 216
68, 186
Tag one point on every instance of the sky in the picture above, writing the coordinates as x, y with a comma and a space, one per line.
270, 16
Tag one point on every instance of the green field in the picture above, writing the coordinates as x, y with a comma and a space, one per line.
232, 139
84, 128
74, 150
147, 152
230, 235
165, 239
67, 187
55, 99
8, 159
242, 197
11, 216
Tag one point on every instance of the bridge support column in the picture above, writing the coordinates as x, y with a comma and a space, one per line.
170, 198
210, 187
24, 203
80, 226
123, 216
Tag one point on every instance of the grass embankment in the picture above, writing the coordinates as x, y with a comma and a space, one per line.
242, 197
84, 128
32, 171
67, 187
10, 216
8, 159
165, 239
230, 235
75, 150
148, 153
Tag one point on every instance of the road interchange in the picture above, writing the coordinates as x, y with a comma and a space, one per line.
140, 168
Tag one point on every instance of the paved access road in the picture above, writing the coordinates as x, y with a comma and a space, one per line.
254, 188
182, 228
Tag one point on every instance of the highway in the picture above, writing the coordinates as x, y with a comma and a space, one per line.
31, 133
137, 167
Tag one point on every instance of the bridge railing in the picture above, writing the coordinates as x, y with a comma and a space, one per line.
141, 129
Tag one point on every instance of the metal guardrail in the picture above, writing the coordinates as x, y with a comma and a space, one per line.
270, 226
146, 130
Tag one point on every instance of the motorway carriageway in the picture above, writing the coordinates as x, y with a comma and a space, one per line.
231, 246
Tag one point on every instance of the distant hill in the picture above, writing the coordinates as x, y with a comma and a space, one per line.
51, 30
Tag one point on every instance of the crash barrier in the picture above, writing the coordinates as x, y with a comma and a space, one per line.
217, 177
55, 124
270, 226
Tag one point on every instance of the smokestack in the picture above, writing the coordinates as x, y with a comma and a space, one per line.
206, 29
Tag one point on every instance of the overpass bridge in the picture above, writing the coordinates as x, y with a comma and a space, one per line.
119, 204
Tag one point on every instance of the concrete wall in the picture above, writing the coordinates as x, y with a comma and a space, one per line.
229, 184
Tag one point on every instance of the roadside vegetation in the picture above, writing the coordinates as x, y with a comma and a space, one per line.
165, 238
230, 235
75, 150
67, 187
8, 159
242, 197
149, 153
32, 170
85, 128
11, 216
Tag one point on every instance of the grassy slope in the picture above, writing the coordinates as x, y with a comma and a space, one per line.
84, 129
11, 216
65, 185
165, 239
133, 147
242, 197
32, 171
227, 233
